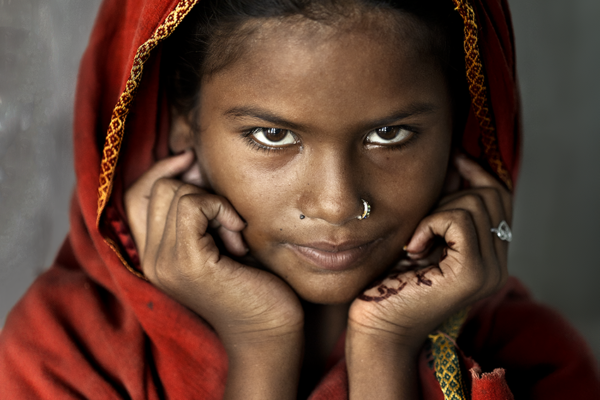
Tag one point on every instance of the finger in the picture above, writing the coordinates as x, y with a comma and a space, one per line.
483, 205
455, 226
463, 263
494, 208
138, 195
480, 204
166, 168
479, 178
233, 241
190, 216
161, 197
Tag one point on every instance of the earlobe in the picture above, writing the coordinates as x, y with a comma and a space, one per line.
181, 138
452, 182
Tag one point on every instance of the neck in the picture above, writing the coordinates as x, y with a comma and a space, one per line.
323, 327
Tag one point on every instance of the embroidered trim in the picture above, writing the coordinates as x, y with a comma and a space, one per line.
115, 248
479, 98
116, 129
445, 357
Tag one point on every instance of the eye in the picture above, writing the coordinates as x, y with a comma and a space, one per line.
389, 135
274, 137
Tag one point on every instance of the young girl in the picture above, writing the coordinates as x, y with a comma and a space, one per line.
296, 198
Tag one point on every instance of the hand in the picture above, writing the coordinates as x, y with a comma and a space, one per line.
169, 220
436, 280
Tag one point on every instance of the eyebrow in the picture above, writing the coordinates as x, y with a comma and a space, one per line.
268, 116
265, 115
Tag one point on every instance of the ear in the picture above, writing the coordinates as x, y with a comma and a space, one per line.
181, 138
453, 180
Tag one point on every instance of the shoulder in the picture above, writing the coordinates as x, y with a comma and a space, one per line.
54, 342
542, 354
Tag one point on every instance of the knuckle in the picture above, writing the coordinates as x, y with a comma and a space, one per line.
188, 202
473, 201
185, 189
170, 269
461, 217
162, 187
491, 193
190, 205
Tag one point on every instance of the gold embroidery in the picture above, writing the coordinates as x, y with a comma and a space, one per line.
478, 90
445, 357
115, 248
116, 129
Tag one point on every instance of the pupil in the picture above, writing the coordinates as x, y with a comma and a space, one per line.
275, 134
386, 133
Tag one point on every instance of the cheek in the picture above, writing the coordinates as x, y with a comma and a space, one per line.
410, 187
257, 193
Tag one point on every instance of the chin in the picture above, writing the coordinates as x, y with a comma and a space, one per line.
329, 290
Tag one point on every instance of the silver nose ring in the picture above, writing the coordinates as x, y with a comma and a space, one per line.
366, 210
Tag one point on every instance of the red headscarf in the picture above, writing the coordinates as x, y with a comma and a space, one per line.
89, 327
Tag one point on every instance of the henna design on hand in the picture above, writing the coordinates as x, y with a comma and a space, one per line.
421, 279
385, 292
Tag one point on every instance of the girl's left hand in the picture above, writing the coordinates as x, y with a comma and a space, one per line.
427, 288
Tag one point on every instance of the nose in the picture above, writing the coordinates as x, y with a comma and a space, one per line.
331, 189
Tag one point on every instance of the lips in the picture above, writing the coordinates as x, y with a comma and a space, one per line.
334, 257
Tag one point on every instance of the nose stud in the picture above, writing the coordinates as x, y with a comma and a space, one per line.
365, 214
366, 210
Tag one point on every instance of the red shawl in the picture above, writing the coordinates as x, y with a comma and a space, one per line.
90, 328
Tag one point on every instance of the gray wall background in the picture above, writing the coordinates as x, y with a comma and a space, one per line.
557, 216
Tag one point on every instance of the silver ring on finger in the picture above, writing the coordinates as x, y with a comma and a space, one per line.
503, 231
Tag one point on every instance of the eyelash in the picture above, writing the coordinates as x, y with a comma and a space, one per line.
398, 146
253, 144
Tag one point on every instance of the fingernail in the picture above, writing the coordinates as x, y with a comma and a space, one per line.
185, 153
461, 162
459, 158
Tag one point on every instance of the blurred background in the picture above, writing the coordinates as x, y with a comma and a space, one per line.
557, 216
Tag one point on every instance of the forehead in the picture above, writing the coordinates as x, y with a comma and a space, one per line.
332, 69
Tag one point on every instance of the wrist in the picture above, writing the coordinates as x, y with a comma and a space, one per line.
384, 359
391, 345
263, 345
399, 338
264, 369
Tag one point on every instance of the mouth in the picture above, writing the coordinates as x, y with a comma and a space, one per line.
334, 256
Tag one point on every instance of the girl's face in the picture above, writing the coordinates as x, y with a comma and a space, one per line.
308, 123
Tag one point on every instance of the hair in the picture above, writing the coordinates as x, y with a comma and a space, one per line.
215, 34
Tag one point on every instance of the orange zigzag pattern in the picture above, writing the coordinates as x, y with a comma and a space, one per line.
478, 90
114, 136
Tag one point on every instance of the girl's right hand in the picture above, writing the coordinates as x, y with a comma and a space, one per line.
169, 221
